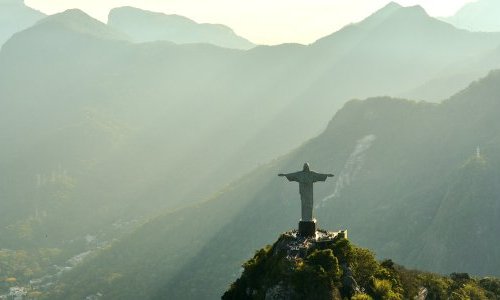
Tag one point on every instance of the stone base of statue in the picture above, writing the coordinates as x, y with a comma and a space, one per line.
307, 228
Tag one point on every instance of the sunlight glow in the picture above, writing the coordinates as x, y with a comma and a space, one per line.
261, 21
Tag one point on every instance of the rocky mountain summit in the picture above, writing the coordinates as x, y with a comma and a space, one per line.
328, 266
297, 267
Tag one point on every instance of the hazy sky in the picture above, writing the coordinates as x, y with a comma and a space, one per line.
261, 21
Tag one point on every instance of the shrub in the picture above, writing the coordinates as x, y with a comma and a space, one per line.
361, 297
382, 289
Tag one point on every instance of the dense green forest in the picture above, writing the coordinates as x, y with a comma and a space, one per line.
340, 270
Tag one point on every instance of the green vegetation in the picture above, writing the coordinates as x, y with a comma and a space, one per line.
19, 267
110, 131
422, 196
155, 105
23, 265
318, 276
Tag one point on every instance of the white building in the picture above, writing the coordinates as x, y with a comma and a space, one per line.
17, 293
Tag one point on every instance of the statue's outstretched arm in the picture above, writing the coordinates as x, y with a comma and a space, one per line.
291, 176
321, 177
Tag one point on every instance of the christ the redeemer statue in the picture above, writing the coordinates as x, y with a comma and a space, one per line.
306, 178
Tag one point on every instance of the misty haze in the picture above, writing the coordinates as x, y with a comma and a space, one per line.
139, 157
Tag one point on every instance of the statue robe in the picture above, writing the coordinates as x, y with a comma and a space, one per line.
306, 180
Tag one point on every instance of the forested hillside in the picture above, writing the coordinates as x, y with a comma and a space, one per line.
410, 184
126, 121
101, 133
336, 269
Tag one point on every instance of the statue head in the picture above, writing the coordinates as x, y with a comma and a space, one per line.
306, 167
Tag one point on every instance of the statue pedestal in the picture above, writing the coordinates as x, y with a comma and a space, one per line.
307, 228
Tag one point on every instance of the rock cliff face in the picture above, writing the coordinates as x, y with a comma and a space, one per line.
328, 266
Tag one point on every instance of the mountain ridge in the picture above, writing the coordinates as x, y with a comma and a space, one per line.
14, 17
78, 21
477, 16
393, 178
164, 102
148, 26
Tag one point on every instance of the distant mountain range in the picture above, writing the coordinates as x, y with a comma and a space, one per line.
135, 24
172, 100
147, 26
16, 16
415, 181
167, 101
479, 15
97, 129
405, 39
